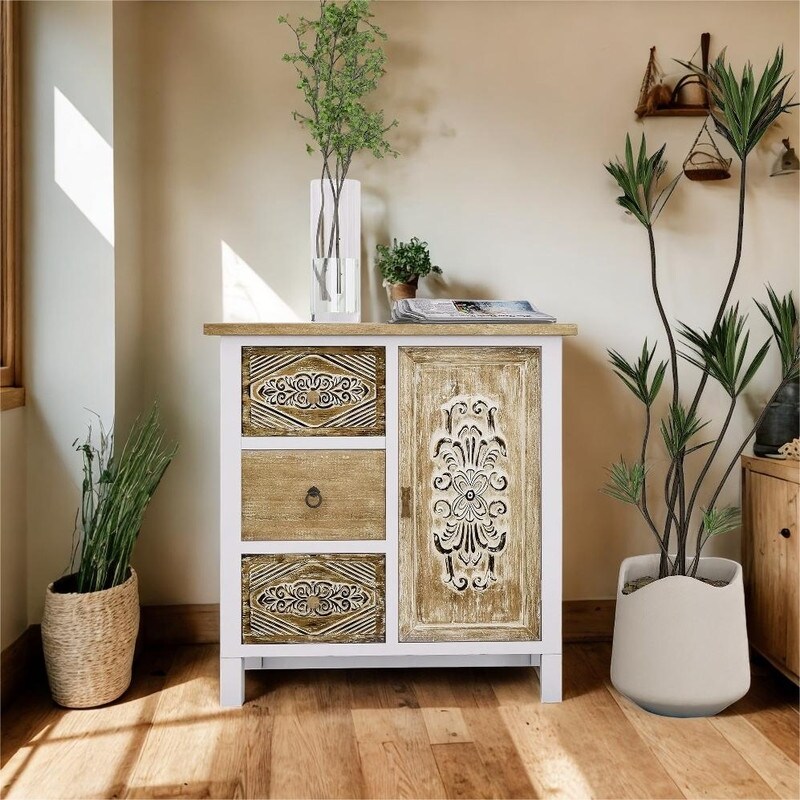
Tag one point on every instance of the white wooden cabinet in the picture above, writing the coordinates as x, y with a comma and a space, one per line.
390, 495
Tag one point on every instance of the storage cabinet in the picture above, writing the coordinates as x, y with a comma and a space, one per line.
770, 557
390, 495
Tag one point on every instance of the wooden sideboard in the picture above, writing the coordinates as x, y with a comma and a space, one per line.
771, 559
390, 496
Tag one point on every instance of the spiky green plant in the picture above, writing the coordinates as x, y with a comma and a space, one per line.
639, 181
115, 494
743, 110
721, 353
781, 314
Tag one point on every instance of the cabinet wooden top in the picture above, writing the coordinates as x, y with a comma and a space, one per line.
385, 329
788, 469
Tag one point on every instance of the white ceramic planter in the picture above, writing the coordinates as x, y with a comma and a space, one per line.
680, 645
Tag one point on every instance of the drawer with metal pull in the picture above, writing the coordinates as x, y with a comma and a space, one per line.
295, 495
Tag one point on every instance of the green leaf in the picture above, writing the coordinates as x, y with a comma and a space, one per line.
717, 521
339, 61
679, 427
625, 482
636, 375
721, 353
781, 314
742, 109
405, 261
639, 182
115, 496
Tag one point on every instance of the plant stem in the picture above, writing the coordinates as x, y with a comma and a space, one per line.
737, 258
654, 531
732, 464
673, 359
679, 486
679, 567
711, 457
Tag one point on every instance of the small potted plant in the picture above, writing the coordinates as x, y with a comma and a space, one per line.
402, 265
91, 616
680, 638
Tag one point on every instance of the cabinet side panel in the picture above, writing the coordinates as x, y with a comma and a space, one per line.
793, 580
767, 501
470, 540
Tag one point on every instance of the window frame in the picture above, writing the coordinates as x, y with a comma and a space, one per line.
10, 361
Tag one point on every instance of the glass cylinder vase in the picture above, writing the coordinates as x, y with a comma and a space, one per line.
335, 290
335, 253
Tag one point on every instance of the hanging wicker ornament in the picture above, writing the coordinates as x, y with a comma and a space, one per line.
705, 162
654, 94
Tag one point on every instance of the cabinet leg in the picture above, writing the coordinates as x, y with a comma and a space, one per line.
550, 678
231, 682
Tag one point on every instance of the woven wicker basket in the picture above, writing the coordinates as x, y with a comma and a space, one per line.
88, 642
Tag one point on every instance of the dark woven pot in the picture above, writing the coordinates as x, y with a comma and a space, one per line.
781, 423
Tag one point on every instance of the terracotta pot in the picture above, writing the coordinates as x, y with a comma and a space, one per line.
680, 645
403, 291
88, 640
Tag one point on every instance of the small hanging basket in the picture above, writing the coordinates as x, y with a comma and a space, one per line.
705, 162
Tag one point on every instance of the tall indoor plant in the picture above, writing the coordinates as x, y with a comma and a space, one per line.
91, 616
339, 61
680, 644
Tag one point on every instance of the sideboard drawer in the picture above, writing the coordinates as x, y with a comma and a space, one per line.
313, 391
301, 598
313, 494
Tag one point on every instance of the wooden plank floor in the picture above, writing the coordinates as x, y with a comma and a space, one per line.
396, 734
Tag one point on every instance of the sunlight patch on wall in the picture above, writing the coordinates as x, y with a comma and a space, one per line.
245, 295
84, 165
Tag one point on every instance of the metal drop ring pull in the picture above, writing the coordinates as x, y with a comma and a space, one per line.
313, 497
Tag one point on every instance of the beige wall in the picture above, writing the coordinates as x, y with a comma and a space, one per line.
507, 113
68, 305
13, 567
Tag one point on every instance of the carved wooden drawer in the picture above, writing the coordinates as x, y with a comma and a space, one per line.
313, 391
288, 598
313, 494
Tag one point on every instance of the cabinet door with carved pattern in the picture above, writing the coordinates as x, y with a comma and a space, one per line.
469, 546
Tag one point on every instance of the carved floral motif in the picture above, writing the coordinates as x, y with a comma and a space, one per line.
307, 390
469, 485
313, 598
